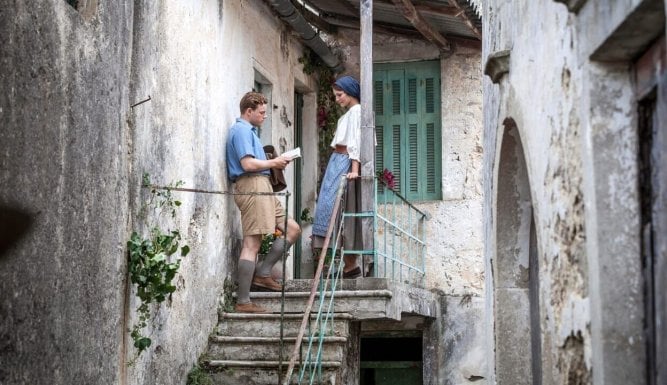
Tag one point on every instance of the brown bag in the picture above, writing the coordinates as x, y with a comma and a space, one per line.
277, 177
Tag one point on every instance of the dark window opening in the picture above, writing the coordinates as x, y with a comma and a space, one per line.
73, 3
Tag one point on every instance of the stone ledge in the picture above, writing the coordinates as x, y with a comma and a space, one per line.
497, 65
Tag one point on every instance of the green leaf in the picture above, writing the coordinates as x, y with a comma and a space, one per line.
173, 248
185, 250
142, 343
177, 203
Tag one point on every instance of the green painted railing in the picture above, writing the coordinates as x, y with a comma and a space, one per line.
400, 238
398, 254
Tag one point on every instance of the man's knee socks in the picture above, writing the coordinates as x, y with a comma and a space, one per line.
273, 256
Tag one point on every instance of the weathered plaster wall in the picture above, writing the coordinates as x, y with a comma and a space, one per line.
73, 155
561, 102
455, 263
179, 135
63, 110
202, 57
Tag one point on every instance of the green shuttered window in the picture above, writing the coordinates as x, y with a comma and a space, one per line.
407, 121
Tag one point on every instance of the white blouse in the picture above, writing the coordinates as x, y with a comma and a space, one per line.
348, 132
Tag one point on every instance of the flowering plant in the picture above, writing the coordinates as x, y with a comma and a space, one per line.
267, 241
386, 177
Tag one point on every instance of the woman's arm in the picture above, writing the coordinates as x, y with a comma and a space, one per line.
354, 170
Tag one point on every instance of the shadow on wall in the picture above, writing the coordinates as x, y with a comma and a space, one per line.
14, 224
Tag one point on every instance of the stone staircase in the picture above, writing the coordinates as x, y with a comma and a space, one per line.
245, 349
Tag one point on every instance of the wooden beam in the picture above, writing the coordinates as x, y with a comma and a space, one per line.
466, 19
353, 23
352, 8
420, 6
414, 17
367, 150
434, 10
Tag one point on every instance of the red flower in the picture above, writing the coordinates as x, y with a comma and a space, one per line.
321, 117
387, 178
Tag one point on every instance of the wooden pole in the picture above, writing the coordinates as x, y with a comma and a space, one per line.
367, 120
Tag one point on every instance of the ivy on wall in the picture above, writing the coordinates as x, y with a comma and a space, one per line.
154, 259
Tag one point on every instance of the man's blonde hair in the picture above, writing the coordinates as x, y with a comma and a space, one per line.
252, 100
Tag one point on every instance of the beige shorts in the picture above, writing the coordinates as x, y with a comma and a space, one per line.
260, 214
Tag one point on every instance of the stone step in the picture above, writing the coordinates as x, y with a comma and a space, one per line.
268, 348
360, 304
345, 284
268, 325
233, 372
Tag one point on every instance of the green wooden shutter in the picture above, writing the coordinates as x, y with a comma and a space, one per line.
378, 106
429, 137
408, 127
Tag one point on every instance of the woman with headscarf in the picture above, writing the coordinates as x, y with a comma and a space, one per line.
344, 161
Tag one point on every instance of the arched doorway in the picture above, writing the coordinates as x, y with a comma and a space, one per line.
515, 269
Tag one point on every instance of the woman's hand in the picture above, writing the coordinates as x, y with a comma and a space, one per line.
352, 175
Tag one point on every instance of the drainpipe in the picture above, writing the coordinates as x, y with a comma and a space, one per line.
291, 16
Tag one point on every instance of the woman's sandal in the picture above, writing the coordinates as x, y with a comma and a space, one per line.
354, 273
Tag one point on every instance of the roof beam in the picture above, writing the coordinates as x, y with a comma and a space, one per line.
414, 17
462, 14
444, 10
353, 23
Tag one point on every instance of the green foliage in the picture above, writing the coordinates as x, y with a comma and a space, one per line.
267, 241
161, 199
305, 216
228, 300
199, 376
152, 265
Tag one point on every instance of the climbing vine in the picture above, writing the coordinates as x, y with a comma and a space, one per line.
328, 111
152, 263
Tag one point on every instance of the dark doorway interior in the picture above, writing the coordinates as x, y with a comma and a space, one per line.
651, 83
391, 360
298, 171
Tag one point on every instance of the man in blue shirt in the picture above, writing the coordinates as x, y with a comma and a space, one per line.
248, 169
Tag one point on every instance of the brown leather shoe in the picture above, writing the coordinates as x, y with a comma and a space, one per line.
266, 283
249, 308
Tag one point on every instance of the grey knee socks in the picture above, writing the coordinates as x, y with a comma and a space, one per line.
273, 256
246, 271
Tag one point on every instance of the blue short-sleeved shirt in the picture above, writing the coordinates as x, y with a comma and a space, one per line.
242, 141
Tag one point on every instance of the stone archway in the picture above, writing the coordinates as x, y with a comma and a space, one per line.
515, 271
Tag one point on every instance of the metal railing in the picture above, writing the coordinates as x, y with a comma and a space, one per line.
400, 238
399, 255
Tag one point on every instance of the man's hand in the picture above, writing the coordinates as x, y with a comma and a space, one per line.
280, 162
251, 164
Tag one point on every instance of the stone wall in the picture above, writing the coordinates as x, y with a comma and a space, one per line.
74, 151
569, 113
64, 163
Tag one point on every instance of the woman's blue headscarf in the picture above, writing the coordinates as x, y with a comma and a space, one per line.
350, 85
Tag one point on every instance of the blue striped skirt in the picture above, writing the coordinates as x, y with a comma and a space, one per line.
339, 165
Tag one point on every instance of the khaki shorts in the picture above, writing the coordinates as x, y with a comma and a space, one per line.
260, 214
